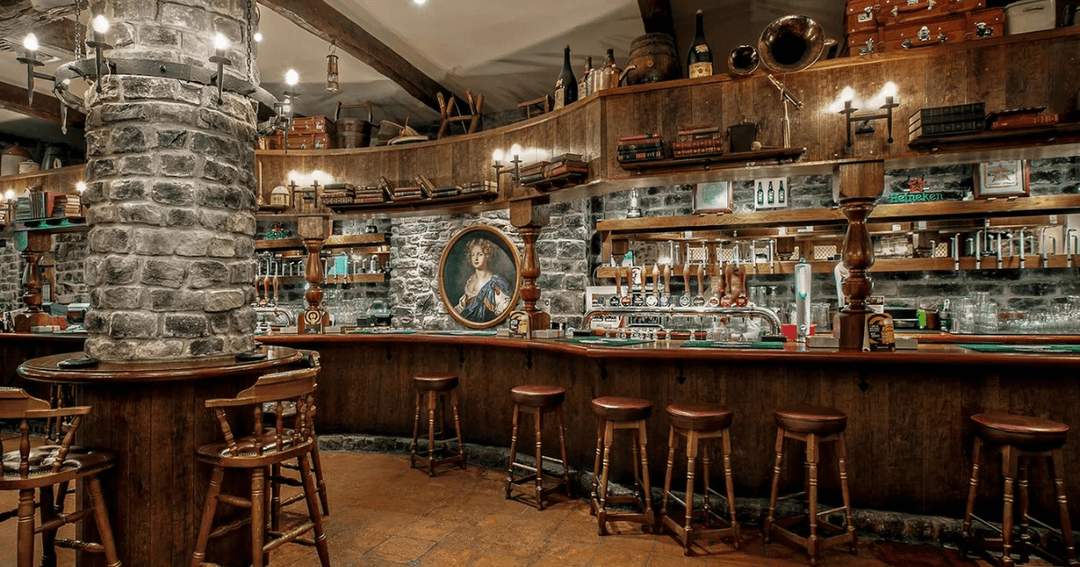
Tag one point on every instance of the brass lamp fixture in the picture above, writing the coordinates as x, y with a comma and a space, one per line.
332, 70
864, 123
497, 158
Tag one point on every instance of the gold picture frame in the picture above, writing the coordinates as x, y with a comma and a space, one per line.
480, 293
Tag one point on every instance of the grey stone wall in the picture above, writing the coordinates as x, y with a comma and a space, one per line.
11, 269
69, 251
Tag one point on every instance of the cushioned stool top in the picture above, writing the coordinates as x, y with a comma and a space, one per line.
1022, 431
438, 382
700, 416
614, 408
538, 396
805, 418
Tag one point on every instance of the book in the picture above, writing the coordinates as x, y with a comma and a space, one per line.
641, 156
695, 144
638, 137
527, 179
1024, 121
566, 157
368, 200
561, 170
642, 146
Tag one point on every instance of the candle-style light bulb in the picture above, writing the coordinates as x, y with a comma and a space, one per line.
847, 95
9, 195
257, 37
101, 24
221, 43
515, 150
497, 156
30, 42
80, 186
292, 77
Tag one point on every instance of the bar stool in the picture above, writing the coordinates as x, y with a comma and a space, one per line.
541, 400
621, 413
45, 469
435, 389
699, 422
1019, 438
256, 453
812, 425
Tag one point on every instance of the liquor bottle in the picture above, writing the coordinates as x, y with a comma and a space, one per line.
699, 59
607, 75
584, 87
782, 196
760, 194
566, 87
772, 194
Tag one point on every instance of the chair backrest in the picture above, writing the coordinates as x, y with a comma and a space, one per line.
15, 403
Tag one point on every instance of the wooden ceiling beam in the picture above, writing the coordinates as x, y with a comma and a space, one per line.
322, 20
656, 15
19, 17
45, 107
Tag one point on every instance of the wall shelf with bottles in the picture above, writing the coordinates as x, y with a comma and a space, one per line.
332, 241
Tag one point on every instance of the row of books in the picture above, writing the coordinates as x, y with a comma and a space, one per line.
424, 189
702, 147
640, 147
558, 167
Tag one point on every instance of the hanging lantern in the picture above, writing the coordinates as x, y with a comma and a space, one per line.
332, 70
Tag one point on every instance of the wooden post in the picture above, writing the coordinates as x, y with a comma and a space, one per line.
37, 244
860, 185
312, 230
529, 219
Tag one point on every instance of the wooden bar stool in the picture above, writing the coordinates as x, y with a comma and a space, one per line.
45, 469
541, 400
699, 422
1018, 438
621, 413
435, 389
256, 453
812, 425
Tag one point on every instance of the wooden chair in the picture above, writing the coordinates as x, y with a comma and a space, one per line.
446, 109
258, 452
46, 467
311, 358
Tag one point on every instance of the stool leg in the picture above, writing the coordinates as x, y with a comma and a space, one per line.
207, 522
775, 483
313, 511
48, 537
562, 451
101, 519
1024, 546
431, 403
275, 498
667, 473
539, 459
601, 515
635, 449
513, 451
441, 412
457, 428
691, 456
1008, 467
258, 513
730, 482
841, 457
596, 464
316, 466
650, 520
973, 491
705, 486
1058, 467
415, 431
812, 470
26, 527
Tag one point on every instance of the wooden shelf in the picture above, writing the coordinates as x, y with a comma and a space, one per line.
334, 240
1050, 134
53, 224
568, 179
721, 161
478, 198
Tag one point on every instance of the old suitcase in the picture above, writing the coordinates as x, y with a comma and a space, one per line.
964, 6
949, 29
862, 16
309, 142
865, 42
897, 12
313, 125
985, 24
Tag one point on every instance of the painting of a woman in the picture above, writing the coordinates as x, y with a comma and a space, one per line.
479, 277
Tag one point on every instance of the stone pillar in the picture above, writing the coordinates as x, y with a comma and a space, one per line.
170, 188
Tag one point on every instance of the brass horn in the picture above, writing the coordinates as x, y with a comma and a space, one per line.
743, 60
790, 44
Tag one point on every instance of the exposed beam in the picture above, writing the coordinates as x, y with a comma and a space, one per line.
324, 21
18, 17
656, 15
45, 107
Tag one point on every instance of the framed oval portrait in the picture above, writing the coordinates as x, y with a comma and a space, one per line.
480, 277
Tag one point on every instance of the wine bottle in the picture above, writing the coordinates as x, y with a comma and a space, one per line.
584, 87
760, 194
772, 193
566, 87
699, 59
782, 196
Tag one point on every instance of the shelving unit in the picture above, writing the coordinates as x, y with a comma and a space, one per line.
722, 161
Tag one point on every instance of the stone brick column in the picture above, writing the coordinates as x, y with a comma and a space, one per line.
170, 188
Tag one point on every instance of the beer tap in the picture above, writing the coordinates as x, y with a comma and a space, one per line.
997, 252
956, 252
978, 249
1072, 243
772, 256
753, 255
1043, 249
1023, 262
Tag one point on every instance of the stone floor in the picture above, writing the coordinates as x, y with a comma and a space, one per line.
385, 514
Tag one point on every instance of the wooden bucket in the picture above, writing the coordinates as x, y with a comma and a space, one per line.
353, 132
653, 59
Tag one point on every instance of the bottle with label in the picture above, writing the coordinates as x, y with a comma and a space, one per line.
584, 87
760, 194
607, 75
699, 59
566, 90
772, 193
782, 195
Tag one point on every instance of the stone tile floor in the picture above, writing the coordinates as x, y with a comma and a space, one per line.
385, 514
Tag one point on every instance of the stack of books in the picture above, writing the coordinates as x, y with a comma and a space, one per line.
532, 172
565, 164
370, 194
953, 119
640, 147
698, 140
406, 194
338, 194
444, 192
474, 187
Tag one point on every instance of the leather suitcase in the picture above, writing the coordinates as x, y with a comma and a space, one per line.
864, 43
313, 125
310, 142
862, 16
985, 24
899, 12
964, 6
920, 35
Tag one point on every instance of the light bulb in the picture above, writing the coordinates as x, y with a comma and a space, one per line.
498, 155
515, 150
890, 89
221, 43
80, 186
30, 42
847, 95
292, 77
9, 195
419, 2
101, 24
257, 37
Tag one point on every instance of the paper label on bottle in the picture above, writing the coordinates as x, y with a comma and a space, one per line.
559, 98
700, 70
701, 48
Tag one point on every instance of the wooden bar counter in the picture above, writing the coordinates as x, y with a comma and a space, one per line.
908, 437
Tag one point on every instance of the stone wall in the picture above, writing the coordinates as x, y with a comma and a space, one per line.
11, 269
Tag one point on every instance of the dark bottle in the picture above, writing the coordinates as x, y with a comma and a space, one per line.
760, 194
772, 194
782, 196
566, 87
584, 86
699, 59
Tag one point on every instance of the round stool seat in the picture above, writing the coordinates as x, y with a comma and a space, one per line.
538, 396
1030, 433
438, 383
700, 416
614, 408
805, 418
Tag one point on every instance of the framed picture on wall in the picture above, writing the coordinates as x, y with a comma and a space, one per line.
770, 193
1005, 178
712, 197
480, 277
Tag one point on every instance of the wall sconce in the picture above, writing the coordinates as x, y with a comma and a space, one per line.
30, 43
332, 70
100, 27
221, 43
284, 108
497, 157
864, 123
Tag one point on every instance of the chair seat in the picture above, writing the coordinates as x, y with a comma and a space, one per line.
614, 408
1022, 431
218, 451
438, 383
538, 396
700, 416
816, 420
41, 460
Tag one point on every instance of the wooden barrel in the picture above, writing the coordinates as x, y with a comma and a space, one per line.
353, 133
654, 58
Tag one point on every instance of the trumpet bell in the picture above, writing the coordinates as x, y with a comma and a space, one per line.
743, 60
791, 43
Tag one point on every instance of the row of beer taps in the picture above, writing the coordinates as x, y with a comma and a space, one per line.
270, 269
987, 244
